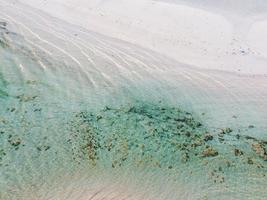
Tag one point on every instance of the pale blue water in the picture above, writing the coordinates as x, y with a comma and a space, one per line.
124, 108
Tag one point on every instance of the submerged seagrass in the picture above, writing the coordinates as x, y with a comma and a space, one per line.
141, 134
51, 122
154, 135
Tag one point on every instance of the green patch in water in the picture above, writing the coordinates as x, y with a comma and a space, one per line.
141, 134
3, 94
156, 136
3, 85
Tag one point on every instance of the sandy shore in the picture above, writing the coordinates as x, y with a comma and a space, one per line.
224, 35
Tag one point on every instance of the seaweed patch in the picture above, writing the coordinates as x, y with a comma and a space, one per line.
155, 136
142, 134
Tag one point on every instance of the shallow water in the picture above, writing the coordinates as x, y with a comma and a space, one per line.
73, 101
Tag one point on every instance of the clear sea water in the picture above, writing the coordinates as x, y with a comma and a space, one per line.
73, 101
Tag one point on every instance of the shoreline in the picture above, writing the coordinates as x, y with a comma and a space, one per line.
54, 73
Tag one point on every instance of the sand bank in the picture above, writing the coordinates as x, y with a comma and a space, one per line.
226, 35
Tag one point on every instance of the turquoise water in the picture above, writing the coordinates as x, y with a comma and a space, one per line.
143, 119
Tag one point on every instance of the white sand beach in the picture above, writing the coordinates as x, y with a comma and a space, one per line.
223, 35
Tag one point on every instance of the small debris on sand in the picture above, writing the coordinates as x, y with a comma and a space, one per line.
259, 150
15, 141
208, 137
31, 82
2, 154
226, 130
210, 152
250, 161
43, 148
251, 126
238, 152
24, 98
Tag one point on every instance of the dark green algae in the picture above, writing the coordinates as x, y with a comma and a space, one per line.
146, 135
142, 134
155, 135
